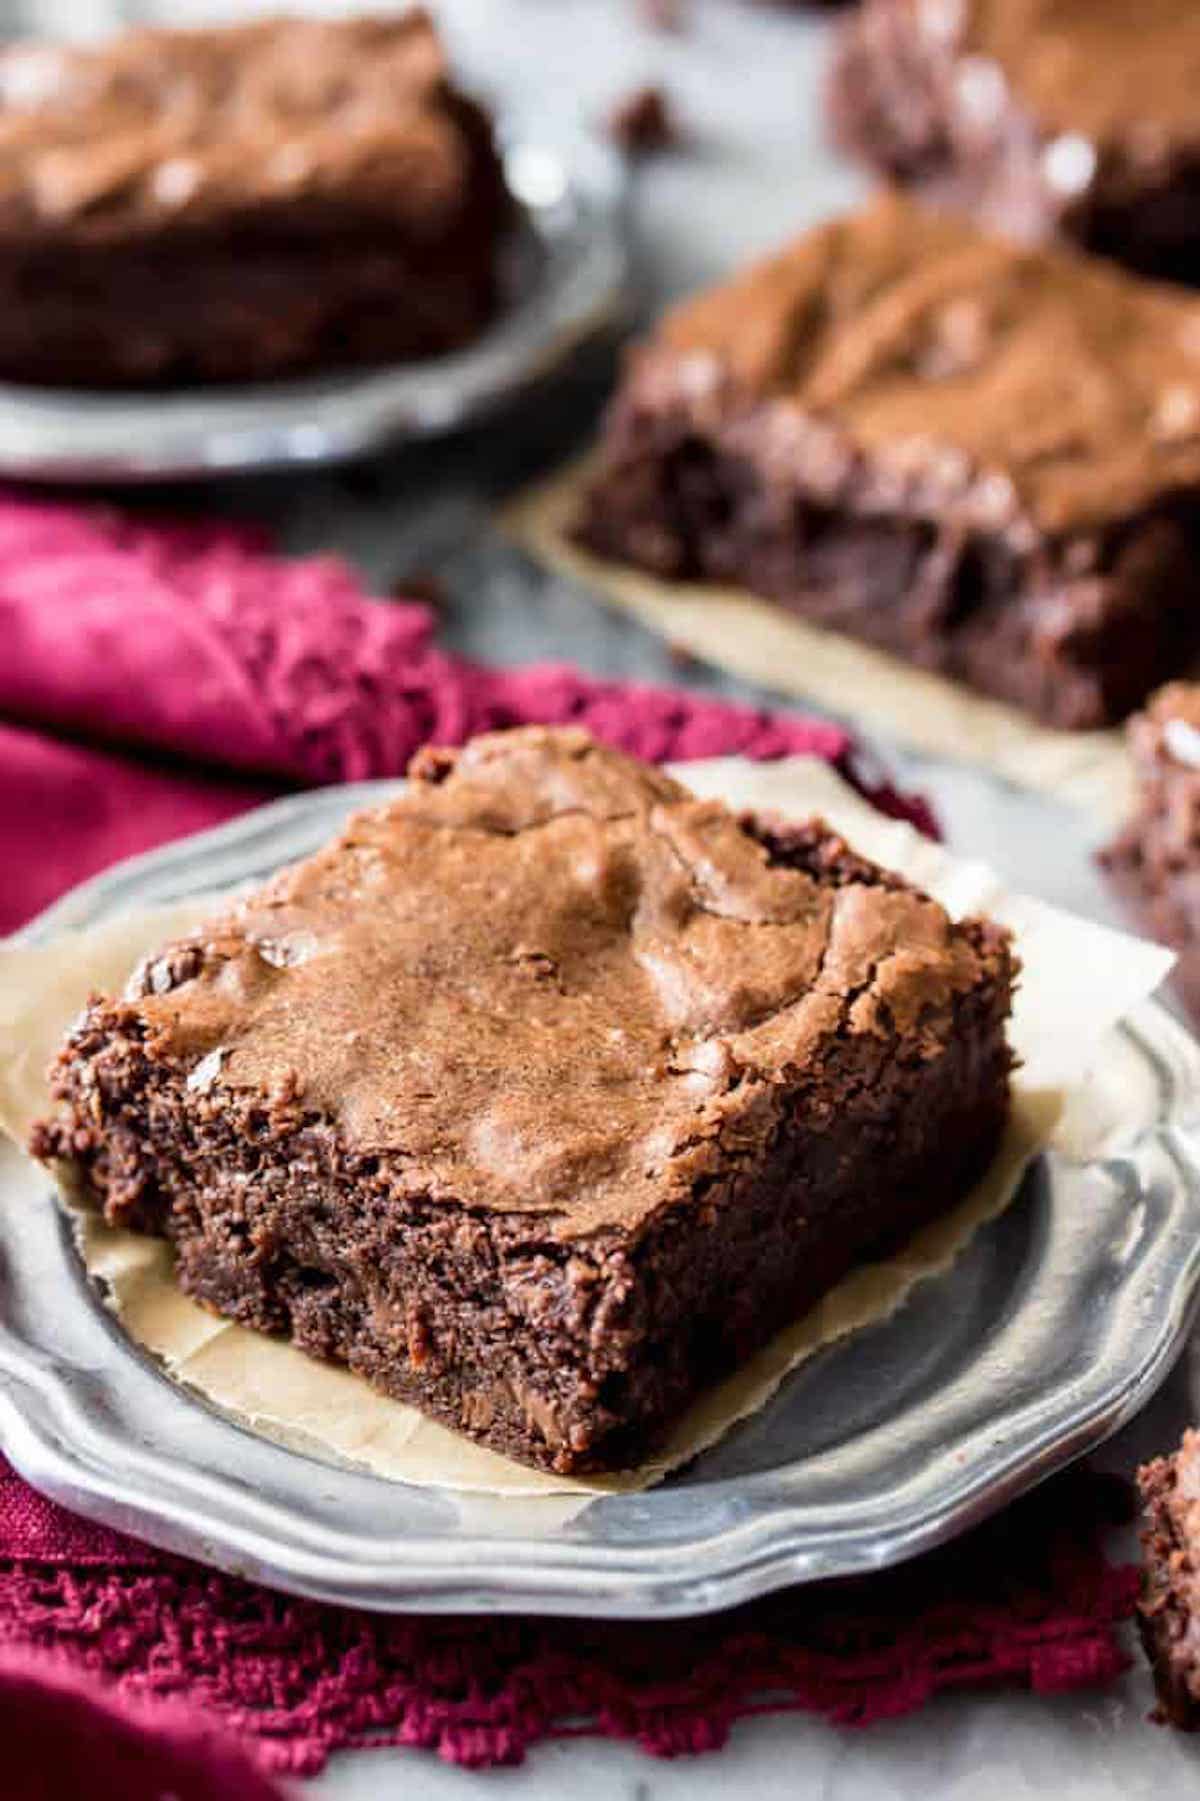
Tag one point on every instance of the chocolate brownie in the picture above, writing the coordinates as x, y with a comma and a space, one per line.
983, 459
1039, 117
242, 202
643, 122
1168, 1615
1154, 863
546, 1094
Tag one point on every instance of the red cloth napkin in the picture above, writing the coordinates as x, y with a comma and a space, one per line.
192, 644
1027, 1600
156, 678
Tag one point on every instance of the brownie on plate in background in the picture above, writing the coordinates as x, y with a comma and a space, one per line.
983, 459
1037, 117
547, 1093
241, 202
1154, 864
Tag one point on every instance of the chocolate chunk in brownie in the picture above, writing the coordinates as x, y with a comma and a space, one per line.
1045, 118
249, 201
1169, 1609
546, 1094
982, 458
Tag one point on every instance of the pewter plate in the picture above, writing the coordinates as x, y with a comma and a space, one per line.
1052, 1328
563, 275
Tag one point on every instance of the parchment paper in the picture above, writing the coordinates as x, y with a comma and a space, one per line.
1061, 1017
751, 638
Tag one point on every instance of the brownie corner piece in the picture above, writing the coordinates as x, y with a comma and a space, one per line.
1167, 1616
545, 1095
242, 202
1044, 118
1153, 863
981, 458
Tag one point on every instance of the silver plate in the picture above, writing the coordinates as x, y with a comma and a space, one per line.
563, 278
1052, 1329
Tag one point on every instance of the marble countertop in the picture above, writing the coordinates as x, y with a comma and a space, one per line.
745, 79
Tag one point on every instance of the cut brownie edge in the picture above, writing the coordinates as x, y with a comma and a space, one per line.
676, 1310
1076, 635
1167, 1618
979, 456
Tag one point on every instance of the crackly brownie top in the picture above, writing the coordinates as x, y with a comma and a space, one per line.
163, 125
547, 978
1121, 73
1019, 389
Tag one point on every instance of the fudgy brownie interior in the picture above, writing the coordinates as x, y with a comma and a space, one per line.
983, 459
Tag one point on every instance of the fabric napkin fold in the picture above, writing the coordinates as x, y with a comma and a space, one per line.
156, 677
64, 1737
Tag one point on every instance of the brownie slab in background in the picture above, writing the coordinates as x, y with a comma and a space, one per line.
241, 203
1044, 118
983, 459
547, 1094
1169, 1609
1154, 863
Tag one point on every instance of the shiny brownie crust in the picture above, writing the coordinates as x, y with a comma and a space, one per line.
570, 1337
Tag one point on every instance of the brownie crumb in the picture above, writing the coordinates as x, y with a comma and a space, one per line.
662, 15
643, 121
422, 586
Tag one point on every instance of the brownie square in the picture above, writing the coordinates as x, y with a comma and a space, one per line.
546, 1094
1154, 862
1045, 118
981, 458
1168, 1616
241, 202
